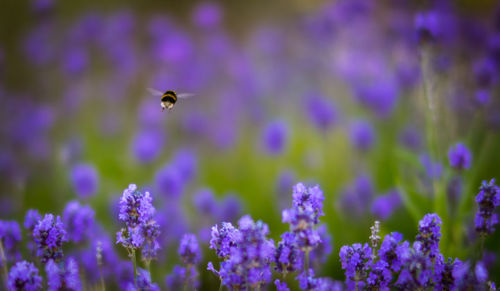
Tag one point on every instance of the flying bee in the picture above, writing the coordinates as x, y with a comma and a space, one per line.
169, 98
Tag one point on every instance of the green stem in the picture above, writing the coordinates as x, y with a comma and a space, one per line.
186, 282
103, 286
220, 286
5, 273
134, 262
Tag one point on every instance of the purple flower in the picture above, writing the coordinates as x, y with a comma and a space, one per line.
207, 15
320, 254
410, 138
49, 235
24, 276
307, 207
10, 236
380, 96
63, 276
281, 286
205, 202
288, 257
229, 208
177, 279
84, 179
487, 200
444, 273
275, 137
186, 162
417, 270
383, 206
189, 250
362, 135
357, 197
75, 60
307, 280
135, 208
393, 251
169, 181
460, 157
379, 277
427, 26
429, 234
78, 221
356, 261
321, 112
143, 282
485, 72
433, 170
223, 239
147, 145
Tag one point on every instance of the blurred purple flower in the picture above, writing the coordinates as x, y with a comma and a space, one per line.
275, 137
85, 180
169, 182
78, 221
487, 200
429, 234
186, 162
49, 235
205, 202
356, 261
10, 236
38, 46
189, 250
410, 138
143, 282
460, 157
384, 205
362, 135
75, 60
24, 276
63, 276
321, 111
207, 15
148, 145
432, 169
357, 197
380, 96
230, 208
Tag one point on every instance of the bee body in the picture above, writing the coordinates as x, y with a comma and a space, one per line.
168, 100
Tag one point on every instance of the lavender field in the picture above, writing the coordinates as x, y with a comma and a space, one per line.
326, 145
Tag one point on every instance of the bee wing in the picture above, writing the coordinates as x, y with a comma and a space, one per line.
185, 95
155, 92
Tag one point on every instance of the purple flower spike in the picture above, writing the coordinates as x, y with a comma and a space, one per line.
189, 250
144, 282
10, 235
31, 219
393, 251
429, 235
383, 206
362, 135
223, 239
275, 137
63, 276
356, 261
288, 257
85, 180
460, 157
321, 112
49, 235
24, 276
487, 200
207, 15
78, 221
281, 286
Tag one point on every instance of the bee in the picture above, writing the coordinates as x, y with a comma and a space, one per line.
169, 98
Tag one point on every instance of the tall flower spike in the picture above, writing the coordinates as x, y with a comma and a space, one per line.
356, 261
135, 207
24, 276
459, 157
78, 221
49, 235
189, 250
223, 239
429, 235
287, 257
487, 200
63, 276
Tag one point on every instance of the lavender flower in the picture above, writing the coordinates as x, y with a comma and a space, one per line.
487, 200
78, 221
143, 282
379, 277
169, 181
31, 219
85, 180
177, 279
427, 26
433, 170
63, 276
49, 235
307, 207
10, 236
356, 261
229, 208
383, 206
460, 157
417, 270
24, 276
207, 15
362, 135
281, 286
223, 239
357, 197
135, 208
444, 273
429, 229
189, 250
321, 112
205, 202
274, 137
319, 255
393, 252
147, 145
287, 257
307, 280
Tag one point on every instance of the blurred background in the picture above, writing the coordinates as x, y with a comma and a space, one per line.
363, 98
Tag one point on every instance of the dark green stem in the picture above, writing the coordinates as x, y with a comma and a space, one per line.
134, 262
306, 263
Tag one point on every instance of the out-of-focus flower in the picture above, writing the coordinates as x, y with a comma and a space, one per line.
487, 200
362, 135
230, 208
321, 111
380, 96
49, 235
207, 15
384, 205
144, 282
10, 236
31, 219
85, 180
205, 202
169, 181
78, 221
433, 170
410, 138
357, 197
281, 286
63, 276
148, 145
189, 250
320, 254
460, 157
275, 137
186, 162
24, 276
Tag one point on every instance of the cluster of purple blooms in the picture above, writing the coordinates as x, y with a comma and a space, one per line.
418, 266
